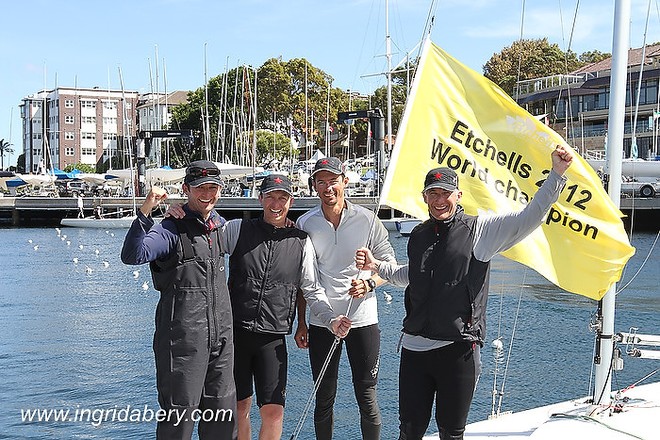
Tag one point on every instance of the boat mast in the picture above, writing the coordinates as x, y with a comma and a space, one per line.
207, 128
127, 142
616, 115
388, 56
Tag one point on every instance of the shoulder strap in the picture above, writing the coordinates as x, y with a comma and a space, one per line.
185, 237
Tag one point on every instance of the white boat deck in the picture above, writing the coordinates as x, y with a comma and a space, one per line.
639, 418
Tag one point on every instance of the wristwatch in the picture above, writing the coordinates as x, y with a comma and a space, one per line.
372, 284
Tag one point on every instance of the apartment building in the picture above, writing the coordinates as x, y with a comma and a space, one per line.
78, 125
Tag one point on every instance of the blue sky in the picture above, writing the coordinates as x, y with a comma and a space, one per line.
83, 43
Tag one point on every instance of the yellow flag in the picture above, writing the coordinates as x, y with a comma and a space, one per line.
457, 118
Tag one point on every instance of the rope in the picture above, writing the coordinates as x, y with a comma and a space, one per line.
513, 334
642, 265
317, 383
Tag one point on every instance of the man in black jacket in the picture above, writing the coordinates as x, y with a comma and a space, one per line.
193, 342
270, 261
447, 290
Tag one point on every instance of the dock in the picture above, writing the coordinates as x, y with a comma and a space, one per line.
47, 211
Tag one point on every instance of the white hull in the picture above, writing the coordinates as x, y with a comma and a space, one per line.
632, 167
391, 224
405, 226
577, 420
105, 223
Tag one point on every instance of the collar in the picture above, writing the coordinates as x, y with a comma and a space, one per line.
214, 221
446, 223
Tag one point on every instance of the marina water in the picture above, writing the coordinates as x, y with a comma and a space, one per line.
76, 327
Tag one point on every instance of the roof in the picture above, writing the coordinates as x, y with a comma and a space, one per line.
173, 98
634, 59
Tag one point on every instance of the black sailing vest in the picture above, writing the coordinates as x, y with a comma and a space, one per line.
448, 290
264, 275
194, 303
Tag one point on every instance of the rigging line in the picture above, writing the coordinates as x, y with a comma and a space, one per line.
566, 54
639, 83
513, 334
642, 265
520, 54
498, 351
567, 50
633, 145
657, 107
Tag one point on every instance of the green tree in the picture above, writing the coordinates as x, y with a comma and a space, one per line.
272, 145
528, 59
5, 148
281, 87
82, 167
20, 163
593, 56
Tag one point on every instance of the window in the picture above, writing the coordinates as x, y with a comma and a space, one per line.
109, 121
68, 103
110, 105
86, 103
87, 151
68, 151
68, 119
89, 119
69, 136
109, 136
87, 135
36, 135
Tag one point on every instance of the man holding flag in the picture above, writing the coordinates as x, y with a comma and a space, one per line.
447, 277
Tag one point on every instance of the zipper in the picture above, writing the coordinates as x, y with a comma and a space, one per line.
212, 291
269, 259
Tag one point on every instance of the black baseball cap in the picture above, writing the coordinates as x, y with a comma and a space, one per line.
276, 182
332, 164
444, 178
200, 172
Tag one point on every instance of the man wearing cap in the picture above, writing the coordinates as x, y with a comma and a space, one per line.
193, 342
337, 229
447, 277
270, 261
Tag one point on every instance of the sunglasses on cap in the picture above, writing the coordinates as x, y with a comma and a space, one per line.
202, 172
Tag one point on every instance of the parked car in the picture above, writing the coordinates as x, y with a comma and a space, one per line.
634, 188
72, 188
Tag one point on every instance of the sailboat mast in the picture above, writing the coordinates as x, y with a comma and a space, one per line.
207, 128
127, 142
388, 55
616, 115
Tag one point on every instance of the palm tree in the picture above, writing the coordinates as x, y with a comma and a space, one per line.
5, 148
